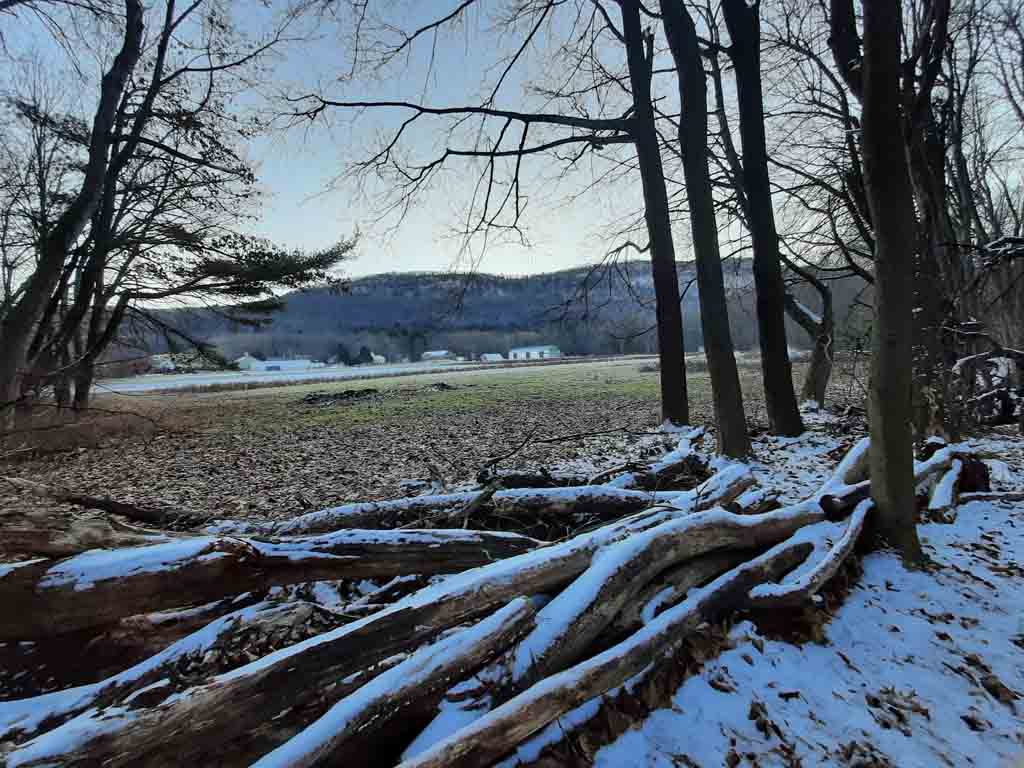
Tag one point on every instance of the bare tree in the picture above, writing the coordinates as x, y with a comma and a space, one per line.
743, 22
877, 75
20, 320
693, 129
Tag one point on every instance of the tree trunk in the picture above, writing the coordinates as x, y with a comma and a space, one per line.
733, 439
821, 330
675, 405
892, 208
19, 324
83, 385
777, 373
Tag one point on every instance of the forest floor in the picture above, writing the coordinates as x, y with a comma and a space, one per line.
282, 451
887, 667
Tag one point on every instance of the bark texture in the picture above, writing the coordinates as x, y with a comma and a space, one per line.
890, 198
730, 418
744, 27
640, 58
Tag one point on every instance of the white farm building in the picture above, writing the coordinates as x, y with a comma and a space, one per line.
437, 355
492, 357
249, 363
545, 352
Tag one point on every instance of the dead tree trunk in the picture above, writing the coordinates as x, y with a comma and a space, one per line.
777, 373
640, 57
892, 208
821, 329
730, 419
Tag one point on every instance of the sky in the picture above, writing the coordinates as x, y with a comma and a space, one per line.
308, 200
311, 203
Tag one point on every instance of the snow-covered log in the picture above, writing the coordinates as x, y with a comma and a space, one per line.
672, 586
572, 621
21, 719
43, 598
817, 569
499, 731
379, 702
392, 514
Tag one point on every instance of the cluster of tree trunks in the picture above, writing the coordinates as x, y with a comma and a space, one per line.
540, 627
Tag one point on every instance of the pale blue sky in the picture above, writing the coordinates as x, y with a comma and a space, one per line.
308, 203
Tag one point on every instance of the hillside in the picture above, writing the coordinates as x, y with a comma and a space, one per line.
584, 310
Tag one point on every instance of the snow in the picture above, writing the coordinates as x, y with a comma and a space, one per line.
911, 639
943, 495
84, 570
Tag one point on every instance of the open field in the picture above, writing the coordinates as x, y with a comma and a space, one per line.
268, 452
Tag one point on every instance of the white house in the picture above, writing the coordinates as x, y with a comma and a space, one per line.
437, 355
249, 363
378, 359
544, 352
162, 364
492, 357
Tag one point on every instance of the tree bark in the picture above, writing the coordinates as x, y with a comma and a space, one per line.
730, 418
675, 405
97, 588
776, 371
892, 208
821, 330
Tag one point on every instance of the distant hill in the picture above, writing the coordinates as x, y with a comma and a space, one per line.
584, 310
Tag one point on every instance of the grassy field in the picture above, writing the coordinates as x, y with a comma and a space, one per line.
270, 452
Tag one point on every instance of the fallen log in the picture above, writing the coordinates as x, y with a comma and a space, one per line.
380, 701
147, 515
817, 569
599, 499
568, 625
187, 726
487, 739
671, 587
43, 598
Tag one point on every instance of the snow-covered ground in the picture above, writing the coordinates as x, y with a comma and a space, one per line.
173, 381
917, 668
